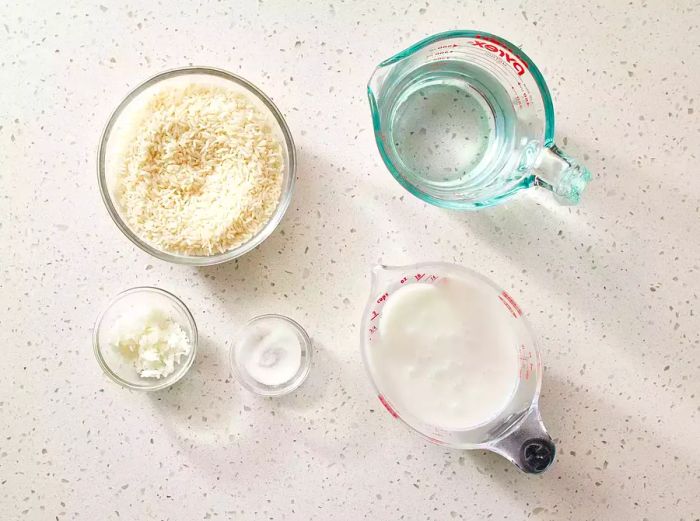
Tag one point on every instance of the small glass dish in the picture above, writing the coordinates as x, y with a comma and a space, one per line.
117, 131
123, 371
255, 386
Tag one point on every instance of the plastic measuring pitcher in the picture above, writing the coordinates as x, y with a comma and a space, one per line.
464, 119
514, 427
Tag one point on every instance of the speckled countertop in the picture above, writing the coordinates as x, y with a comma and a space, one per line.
611, 286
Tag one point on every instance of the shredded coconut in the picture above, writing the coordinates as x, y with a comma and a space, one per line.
203, 172
151, 340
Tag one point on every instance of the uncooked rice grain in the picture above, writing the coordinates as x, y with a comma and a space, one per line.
203, 172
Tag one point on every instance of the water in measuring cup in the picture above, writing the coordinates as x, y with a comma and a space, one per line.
446, 353
451, 126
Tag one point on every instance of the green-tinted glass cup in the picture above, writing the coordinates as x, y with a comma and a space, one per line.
464, 120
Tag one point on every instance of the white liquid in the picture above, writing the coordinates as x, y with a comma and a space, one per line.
270, 352
446, 353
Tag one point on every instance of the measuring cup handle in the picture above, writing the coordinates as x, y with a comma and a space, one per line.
528, 446
557, 172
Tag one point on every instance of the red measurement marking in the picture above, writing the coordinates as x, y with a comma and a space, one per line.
526, 371
432, 278
515, 62
435, 440
505, 303
526, 366
388, 407
374, 315
382, 298
403, 280
512, 303
372, 330
419, 276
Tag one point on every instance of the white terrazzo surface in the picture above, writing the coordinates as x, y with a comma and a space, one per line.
611, 287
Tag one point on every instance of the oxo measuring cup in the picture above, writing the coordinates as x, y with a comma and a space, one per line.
464, 120
514, 428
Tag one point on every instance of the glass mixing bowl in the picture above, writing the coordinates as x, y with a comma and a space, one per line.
114, 365
117, 126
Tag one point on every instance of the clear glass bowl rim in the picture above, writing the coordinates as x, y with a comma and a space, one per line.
294, 383
158, 384
376, 120
287, 188
405, 417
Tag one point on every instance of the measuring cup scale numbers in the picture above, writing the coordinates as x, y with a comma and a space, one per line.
465, 120
374, 320
381, 300
526, 359
436, 431
455, 365
504, 57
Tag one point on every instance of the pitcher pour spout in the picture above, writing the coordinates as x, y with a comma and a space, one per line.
528, 446
382, 275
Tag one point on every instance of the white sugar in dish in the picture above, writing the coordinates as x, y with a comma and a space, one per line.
270, 353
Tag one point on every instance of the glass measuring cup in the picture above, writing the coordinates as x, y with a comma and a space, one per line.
515, 431
464, 119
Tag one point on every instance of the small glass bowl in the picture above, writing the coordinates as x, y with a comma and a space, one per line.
292, 384
117, 129
123, 371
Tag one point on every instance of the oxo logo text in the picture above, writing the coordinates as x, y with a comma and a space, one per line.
513, 60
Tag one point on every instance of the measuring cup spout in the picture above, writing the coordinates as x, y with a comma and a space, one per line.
556, 171
382, 276
382, 71
529, 446
374, 89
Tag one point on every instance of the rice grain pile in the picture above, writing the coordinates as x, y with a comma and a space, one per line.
203, 172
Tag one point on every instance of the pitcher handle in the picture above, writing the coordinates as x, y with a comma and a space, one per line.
528, 446
557, 172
